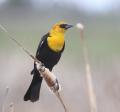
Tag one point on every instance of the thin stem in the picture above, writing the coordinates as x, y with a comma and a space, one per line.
61, 100
91, 92
4, 99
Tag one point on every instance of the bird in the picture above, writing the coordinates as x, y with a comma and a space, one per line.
49, 52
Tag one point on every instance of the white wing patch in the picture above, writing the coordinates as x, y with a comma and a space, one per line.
41, 43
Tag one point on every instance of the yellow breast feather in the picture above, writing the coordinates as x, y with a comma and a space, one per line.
56, 42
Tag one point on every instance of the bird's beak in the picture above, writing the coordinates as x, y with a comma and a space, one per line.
68, 26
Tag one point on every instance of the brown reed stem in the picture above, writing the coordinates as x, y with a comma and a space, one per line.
52, 83
12, 109
91, 92
61, 101
4, 99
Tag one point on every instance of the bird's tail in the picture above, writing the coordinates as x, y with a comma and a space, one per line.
33, 91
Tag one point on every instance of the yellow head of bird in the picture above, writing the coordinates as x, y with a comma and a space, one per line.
61, 27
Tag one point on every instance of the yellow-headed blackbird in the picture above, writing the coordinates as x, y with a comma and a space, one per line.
49, 52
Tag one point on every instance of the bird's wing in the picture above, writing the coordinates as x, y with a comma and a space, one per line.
40, 46
41, 43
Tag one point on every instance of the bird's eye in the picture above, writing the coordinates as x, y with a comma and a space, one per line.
63, 25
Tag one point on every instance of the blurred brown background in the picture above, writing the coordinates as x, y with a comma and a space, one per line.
29, 20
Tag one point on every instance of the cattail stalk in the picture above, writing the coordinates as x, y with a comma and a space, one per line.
91, 91
12, 108
52, 83
4, 99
